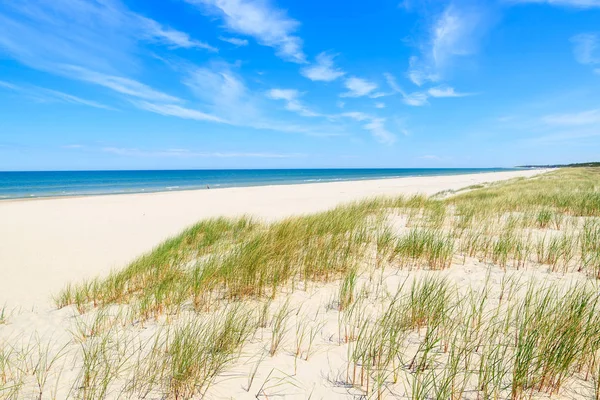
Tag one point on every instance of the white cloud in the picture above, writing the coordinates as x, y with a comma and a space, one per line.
358, 87
391, 80
283, 94
356, 115
290, 96
445, 91
8, 85
152, 30
91, 41
590, 117
99, 42
323, 70
569, 137
416, 77
374, 125
377, 128
175, 110
99, 35
430, 157
224, 94
420, 98
586, 47
234, 41
565, 3
268, 25
415, 99
453, 33
187, 153
377, 95
69, 98
379, 105
419, 73
450, 35
119, 84
412, 99
49, 95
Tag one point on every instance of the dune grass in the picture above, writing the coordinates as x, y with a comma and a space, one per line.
569, 191
245, 260
211, 292
242, 258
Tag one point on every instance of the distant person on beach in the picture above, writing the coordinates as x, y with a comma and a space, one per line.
208, 187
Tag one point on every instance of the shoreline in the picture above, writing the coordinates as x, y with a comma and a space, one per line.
4, 199
47, 242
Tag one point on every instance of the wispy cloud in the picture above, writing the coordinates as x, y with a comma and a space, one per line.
420, 72
377, 95
568, 138
234, 41
589, 117
375, 125
268, 25
98, 35
453, 33
379, 131
323, 70
415, 99
446, 91
175, 110
119, 84
421, 98
586, 48
91, 41
565, 3
379, 105
430, 157
187, 153
103, 43
391, 80
49, 95
292, 103
69, 98
7, 85
224, 94
358, 87
167, 36
357, 115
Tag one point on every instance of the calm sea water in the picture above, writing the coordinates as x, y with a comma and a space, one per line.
71, 183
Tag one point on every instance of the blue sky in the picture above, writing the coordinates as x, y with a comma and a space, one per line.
138, 84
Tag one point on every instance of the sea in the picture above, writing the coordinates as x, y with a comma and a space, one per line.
32, 184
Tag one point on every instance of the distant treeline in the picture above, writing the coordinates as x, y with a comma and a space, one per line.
588, 164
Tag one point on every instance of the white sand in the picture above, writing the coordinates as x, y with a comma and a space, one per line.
79, 237
46, 243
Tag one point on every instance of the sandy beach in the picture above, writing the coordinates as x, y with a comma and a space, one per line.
46, 243
378, 299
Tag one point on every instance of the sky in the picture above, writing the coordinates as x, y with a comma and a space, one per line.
178, 84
